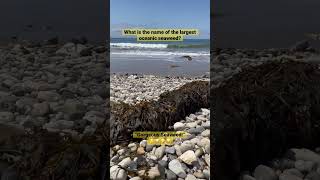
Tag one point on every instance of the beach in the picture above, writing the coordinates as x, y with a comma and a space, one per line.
139, 160
291, 162
142, 73
50, 94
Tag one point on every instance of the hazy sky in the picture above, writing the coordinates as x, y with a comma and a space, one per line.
160, 14
264, 23
68, 18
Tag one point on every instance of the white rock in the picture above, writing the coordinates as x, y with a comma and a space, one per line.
178, 126
190, 177
191, 125
136, 178
133, 147
116, 173
125, 162
207, 159
143, 143
206, 133
203, 142
188, 157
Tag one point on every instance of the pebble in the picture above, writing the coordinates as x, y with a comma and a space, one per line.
294, 172
140, 151
188, 157
265, 173
116, 173
170, 175
170, 150
190, 177
160, 152
205, 133
178, 126
306, 155
125, 162
284, 176
132, 147
176, 167
153, 172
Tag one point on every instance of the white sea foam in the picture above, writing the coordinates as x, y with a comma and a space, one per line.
161, 53
139, 45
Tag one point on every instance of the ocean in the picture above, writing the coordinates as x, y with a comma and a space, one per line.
160, 58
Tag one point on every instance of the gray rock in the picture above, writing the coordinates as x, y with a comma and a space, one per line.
170, 175
160, 152
176, 167
294, 172
306, 155
40, 109
199, 152
185, 146
170, 150
59, 125
163, 163
74, 108
206, 173
312, 176
284, 176
305, 166
286, 164
132, 166
149, 147
265, 173
177, 149
48, 96
248, 177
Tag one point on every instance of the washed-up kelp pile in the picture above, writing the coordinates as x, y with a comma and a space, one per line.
157, 115
44, 156
261, 112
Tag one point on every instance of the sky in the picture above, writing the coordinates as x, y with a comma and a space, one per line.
68, 18
264, 23
193, 14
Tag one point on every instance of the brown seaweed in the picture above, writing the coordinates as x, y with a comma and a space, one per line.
261, 112
157, 115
